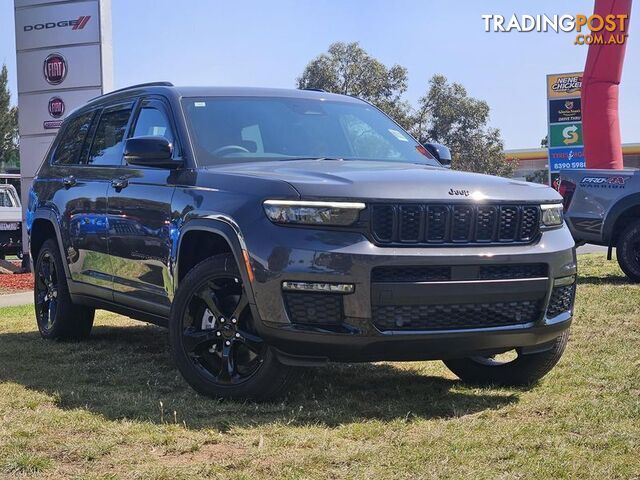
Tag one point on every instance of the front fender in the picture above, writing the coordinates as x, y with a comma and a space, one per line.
228, 229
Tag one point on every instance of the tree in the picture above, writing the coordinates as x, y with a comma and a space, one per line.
447, 115
348, 69
8, 123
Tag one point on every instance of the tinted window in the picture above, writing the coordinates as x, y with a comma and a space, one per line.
109, 137
153, 122
68, 150
232, 129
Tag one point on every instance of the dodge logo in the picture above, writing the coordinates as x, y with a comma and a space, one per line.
77, 24
56, 107
55, 69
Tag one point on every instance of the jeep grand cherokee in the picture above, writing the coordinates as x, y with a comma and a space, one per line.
271, 229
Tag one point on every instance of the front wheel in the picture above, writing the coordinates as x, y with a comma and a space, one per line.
213, 338
509, 369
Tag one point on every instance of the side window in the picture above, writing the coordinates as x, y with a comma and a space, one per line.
108, 141
68, 150
153, 122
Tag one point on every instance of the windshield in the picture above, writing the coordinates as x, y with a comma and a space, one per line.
237, 129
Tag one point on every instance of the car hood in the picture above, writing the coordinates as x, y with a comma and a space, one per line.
377, 180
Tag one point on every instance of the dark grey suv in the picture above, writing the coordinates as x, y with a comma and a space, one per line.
272, 229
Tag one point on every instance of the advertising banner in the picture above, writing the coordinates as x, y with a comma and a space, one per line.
63, 52
565, 134
569, 110
564, 107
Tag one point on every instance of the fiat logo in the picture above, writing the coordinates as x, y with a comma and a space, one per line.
56, 107
55, 69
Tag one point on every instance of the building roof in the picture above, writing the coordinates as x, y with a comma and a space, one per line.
531, 154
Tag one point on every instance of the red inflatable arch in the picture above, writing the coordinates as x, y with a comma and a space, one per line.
600, 86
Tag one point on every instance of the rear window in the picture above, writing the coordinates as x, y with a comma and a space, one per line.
108, 141
68, 150
6, 198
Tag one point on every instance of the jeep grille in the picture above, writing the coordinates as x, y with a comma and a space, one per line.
454, 224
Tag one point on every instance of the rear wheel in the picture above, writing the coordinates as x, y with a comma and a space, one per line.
628, 251
509, 369
56, 314
213, 339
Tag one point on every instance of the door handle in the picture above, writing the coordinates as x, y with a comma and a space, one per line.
119, 183
69, 181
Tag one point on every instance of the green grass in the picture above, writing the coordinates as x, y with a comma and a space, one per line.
115, 407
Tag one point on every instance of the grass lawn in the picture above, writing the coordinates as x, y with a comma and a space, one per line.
115, 407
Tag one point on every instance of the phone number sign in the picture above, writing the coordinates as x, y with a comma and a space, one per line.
564, 107
566, 158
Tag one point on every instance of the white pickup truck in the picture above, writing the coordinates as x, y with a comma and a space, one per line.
10, 222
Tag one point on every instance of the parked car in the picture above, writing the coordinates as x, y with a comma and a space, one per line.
602, 207
10, 222
272, 229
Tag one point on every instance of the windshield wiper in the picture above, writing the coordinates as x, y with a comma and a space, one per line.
337, 159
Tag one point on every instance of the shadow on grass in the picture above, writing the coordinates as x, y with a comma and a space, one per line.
126, 372
604, 280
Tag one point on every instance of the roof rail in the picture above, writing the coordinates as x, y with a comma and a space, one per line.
139, 85
315, 90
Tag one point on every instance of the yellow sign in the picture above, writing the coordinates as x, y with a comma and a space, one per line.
564, 85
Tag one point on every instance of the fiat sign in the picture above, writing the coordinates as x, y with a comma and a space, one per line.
55, 69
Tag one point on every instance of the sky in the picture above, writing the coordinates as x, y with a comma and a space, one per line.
269, 42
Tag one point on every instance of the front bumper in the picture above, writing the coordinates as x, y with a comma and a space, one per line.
343, 257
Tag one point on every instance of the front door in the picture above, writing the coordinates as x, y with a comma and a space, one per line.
139, 213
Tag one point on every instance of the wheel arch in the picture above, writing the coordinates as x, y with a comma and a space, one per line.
225, 237
45, 225
620, 215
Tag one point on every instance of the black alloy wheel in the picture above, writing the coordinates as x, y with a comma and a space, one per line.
46, 292
56, 314
214, 339
216, 332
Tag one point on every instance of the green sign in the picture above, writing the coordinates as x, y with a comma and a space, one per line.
566, 135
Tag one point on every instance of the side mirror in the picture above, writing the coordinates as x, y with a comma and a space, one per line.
442, 153
150, 152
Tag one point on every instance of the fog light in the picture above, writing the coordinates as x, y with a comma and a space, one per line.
318, 287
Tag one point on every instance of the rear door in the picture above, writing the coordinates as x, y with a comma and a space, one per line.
81, 195
139, 211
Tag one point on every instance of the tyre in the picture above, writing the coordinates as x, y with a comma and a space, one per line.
628, 251
213, 339
56, 315
522, 370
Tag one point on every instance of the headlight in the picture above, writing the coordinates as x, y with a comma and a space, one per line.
313, 213
551, 215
